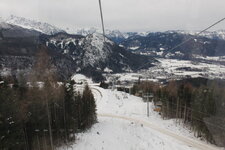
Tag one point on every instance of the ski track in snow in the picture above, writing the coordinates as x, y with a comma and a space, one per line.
123, 125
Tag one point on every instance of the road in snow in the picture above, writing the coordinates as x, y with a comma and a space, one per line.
186, 141
123, 125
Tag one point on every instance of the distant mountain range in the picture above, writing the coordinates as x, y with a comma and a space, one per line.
116, 35
162, 44
219, 34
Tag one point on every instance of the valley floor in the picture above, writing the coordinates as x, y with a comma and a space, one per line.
123, 125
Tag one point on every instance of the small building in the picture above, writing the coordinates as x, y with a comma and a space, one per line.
158, 106
139, 93
124, 88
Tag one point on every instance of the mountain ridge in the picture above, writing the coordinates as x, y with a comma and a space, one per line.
116, 35
33, 25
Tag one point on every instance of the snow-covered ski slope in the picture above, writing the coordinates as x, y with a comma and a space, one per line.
123, 125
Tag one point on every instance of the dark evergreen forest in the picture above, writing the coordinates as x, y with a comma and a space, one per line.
38, 112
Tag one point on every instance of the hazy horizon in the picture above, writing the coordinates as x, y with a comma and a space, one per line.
123, 15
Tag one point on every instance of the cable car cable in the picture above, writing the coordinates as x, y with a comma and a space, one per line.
102, 19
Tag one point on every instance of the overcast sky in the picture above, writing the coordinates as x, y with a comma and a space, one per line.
125, 15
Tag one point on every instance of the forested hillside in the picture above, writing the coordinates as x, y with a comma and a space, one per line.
198, 103
41, 113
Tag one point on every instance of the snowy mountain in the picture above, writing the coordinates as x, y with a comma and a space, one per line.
12, 31
89, 55
219, 34
89, 50
33, 25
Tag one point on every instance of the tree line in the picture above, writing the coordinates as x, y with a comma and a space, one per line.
198, 103
40, 112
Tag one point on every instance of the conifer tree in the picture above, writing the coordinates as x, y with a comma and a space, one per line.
89, 108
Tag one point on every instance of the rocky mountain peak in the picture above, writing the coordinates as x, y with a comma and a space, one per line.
33, 25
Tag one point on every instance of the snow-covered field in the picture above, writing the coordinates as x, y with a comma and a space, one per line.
173, 69
215, 58
173, 66
123, 125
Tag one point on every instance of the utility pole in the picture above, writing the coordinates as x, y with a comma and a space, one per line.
130, 89
113, 83
148, 95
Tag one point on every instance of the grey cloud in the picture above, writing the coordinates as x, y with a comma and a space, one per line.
126, 15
